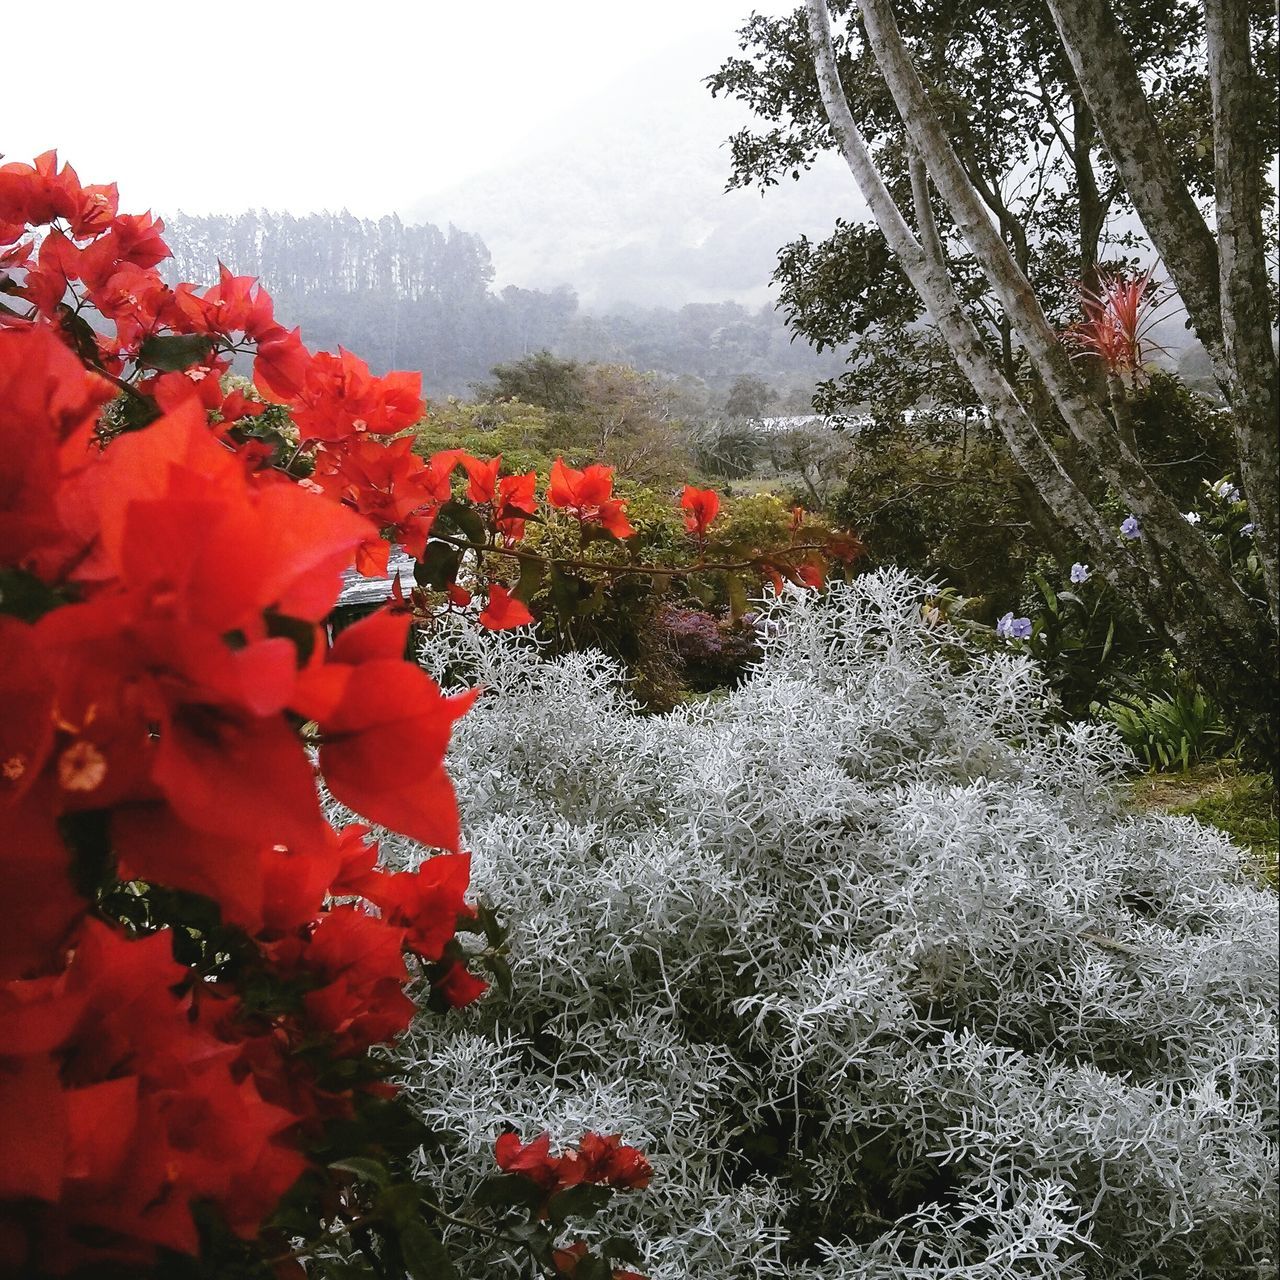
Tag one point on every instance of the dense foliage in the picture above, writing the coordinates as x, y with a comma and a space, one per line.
991, 145
413, 296
195, 965
871, 960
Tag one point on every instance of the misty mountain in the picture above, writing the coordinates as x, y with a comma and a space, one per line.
625, 201
411, 296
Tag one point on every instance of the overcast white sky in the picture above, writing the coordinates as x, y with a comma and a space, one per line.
367, 104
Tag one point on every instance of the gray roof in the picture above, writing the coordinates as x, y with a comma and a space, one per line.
358, 590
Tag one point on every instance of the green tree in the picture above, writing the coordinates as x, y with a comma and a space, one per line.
749, 397
946, 111
542, 379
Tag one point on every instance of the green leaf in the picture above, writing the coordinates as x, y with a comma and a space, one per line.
583, 1201
1111, 634
532, 574
172, 352
507, 1191
401, 1204
80, 334
592, 1267
424, 1254
365, 1169
620, 1249
567, 591
466, 519
501, 971
737, 596
704, 591
26, 597
438, 567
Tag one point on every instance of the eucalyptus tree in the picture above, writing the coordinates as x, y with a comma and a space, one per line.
990, 144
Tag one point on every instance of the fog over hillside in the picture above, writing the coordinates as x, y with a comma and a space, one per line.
624, 198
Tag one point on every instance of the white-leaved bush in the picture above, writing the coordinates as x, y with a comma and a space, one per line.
868, 958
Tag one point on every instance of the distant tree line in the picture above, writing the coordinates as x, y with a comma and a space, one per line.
416, 297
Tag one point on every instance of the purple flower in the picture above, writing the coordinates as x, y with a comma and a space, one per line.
1011, 628
1247, 529
1225, 489
1129, 527
1079, 573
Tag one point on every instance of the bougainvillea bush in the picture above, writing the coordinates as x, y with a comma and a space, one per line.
196, 968
867, 957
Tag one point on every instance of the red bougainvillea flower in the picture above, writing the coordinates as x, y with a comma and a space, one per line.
40, 192
426, 903
338, 399
385, 726
503, 611
515, 503
598, 1159
483, 477
139, 1112
176, 583
132, 240
609, 1161
359, 961
390, 485
588, 495
48, 406
460, 987
811, 575
531, 1160
701, 507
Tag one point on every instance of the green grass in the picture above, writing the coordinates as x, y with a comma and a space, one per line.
1241, 804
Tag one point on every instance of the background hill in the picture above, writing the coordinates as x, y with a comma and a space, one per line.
624, 199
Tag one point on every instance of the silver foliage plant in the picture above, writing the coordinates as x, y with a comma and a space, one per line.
870, 960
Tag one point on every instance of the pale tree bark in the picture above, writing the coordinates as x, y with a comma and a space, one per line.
1108, 78
1173, 580
1222, 283
1161, 521
1242, 274
927, 271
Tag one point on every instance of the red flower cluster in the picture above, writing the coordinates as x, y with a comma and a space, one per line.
120, 1104
589, 495
567, 1261
599, 1159
701, 506
160, 607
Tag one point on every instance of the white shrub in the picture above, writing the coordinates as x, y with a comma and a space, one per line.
868, 958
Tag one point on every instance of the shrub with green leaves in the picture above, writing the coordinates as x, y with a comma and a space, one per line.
868, 957
1170, 731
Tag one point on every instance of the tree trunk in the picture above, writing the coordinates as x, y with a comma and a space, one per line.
1223, 287
1209, 624
928, 275
1246, 319
1108, 78
1163, 526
